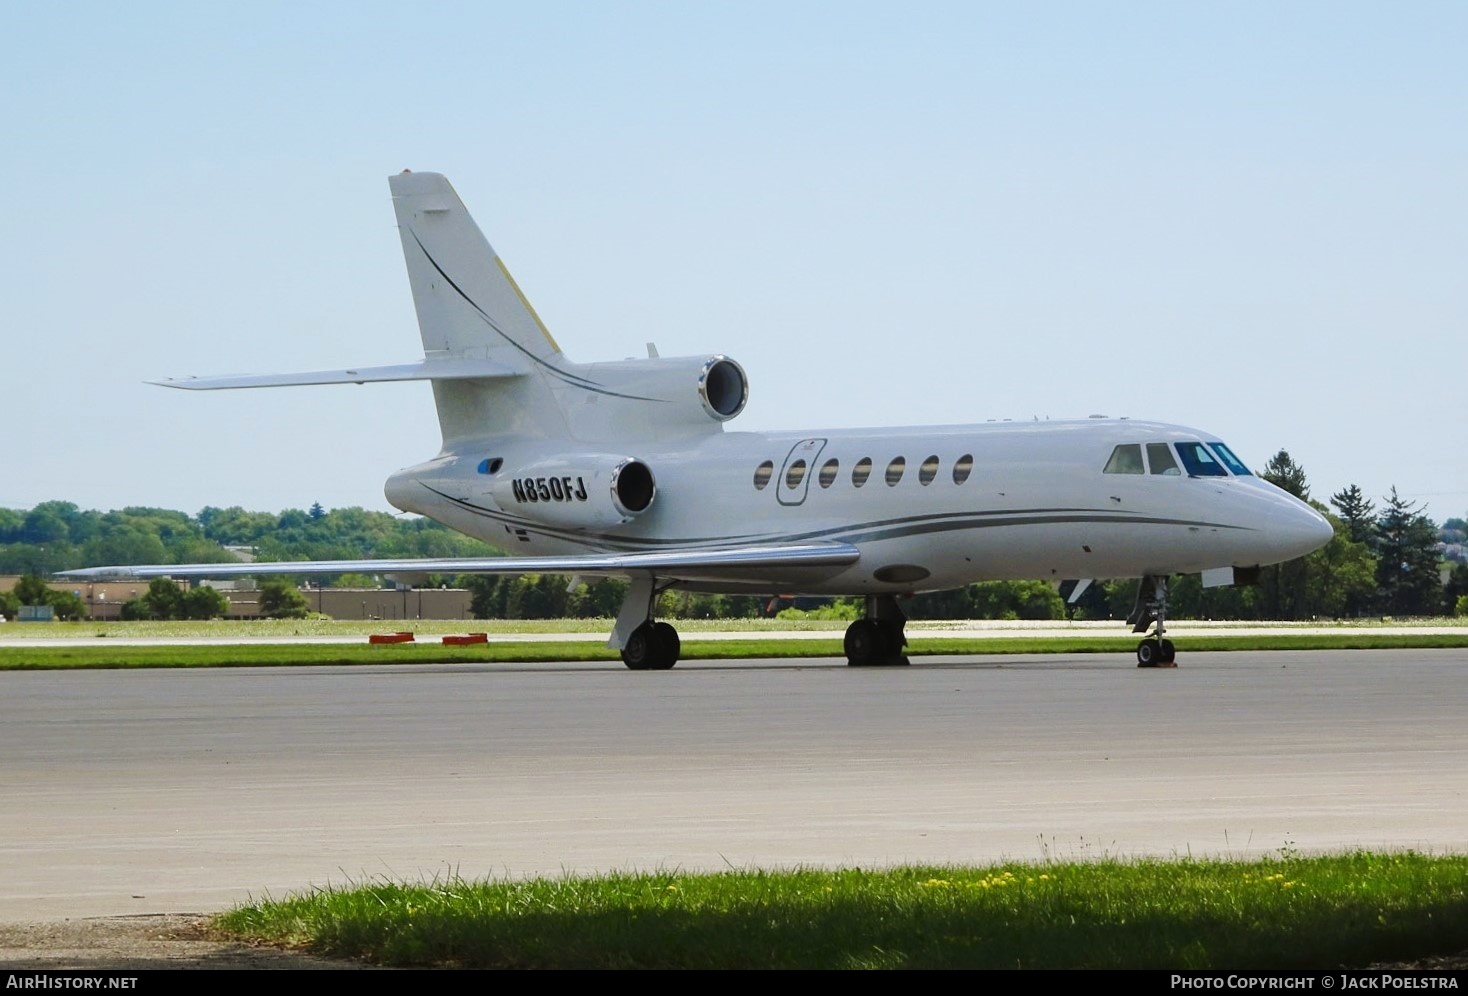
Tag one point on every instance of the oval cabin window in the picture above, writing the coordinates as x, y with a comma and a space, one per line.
928, 471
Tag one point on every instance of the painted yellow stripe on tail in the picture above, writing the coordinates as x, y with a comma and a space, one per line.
528, 306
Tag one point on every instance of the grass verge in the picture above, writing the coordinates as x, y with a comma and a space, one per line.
1346, 911
281, 655
246, 655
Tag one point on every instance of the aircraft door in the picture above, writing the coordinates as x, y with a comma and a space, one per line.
797, 471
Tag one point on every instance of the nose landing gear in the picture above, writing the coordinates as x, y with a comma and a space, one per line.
1155, 650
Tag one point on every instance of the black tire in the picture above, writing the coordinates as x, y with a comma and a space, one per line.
669, 646
641, 652
1147, 653
1169, 652
893, 639
865, 643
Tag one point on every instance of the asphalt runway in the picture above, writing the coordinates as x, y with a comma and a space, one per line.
155, 791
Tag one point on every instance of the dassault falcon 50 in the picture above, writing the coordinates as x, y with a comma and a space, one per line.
625, 469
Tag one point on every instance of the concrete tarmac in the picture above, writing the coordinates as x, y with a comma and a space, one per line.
164, 791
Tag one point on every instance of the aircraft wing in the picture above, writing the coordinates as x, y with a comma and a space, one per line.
736, 563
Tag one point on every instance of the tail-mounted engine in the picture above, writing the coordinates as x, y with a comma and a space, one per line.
582, 491
656, 397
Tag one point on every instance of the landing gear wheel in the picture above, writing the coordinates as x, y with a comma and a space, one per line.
641, 648
653, 646
670, 646
865, 643
1153, 652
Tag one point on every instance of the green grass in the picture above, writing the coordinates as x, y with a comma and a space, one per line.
1304, 913
431, 651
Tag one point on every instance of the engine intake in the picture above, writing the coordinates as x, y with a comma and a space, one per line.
723, 388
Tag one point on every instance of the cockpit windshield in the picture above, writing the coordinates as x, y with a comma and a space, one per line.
1199, 461
1230, 461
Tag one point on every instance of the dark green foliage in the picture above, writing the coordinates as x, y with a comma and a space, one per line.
204, 602
1284, 473
31, 590
67, 605
541, 596
282, 600
989, 600
1358, 513
1407, 574
57, 536
1456, 588
164, 599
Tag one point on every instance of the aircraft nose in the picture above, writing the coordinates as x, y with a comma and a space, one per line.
1304, 529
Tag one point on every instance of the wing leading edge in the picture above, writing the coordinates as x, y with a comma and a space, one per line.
700, 565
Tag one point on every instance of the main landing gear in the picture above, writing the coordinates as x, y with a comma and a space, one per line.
646, 644
1154, 650
653, 646
877, 640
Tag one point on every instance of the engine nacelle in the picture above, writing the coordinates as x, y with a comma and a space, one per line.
689, 389
580, 491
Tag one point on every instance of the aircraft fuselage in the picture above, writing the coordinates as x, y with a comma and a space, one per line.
936, 507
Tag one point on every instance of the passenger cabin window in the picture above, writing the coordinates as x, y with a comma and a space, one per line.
829, 470
795, 474
928, 470
894, 471
963, 468
1160, 459
861, 471
1199, 461
1230, 461
1126, 459
762, 474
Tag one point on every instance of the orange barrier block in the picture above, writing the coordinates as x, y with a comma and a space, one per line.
466, 639
390, 638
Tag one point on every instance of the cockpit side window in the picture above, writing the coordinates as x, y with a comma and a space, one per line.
1159, 458
1199, 461
1230, 461
1126, 459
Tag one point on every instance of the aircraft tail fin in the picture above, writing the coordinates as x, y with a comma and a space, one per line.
470, 309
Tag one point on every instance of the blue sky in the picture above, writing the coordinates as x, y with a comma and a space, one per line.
1246, 217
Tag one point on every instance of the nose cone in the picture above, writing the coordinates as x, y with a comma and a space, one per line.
1297, 529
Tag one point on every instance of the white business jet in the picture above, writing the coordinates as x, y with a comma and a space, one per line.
624, 469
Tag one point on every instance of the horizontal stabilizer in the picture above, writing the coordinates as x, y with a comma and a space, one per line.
453, 369
673, 564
